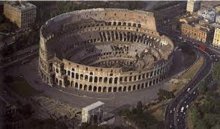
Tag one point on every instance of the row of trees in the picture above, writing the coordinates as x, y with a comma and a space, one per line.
141, 117
205, 112
216, 71
164, 94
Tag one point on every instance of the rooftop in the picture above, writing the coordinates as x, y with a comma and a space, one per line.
21, 5
93, 106
215, 25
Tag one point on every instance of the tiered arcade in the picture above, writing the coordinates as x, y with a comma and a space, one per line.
104, 50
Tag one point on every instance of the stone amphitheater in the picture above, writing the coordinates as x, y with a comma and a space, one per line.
104, 50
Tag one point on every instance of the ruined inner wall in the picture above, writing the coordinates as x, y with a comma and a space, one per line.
103, 50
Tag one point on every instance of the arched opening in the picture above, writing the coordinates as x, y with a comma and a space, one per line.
100, 79
157, 80
85, 87
120, 89
100, 89
154, 81
116, 80
125, 79
146, 84
129, 88
150, 83
138, 87
60, 83
76, 85
110, 89
86, 77
81, 76
77, 76
94, 88
115, 89
124, 88
90, 88
56, 81
134, 25
90, 79
134, 87
80, 86
105, 79
142, 86
110, 80
104, 89
95, 79
130, 78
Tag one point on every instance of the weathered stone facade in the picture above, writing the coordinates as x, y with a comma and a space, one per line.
104, 50
23, 14
197, 32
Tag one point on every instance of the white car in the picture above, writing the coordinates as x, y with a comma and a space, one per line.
182, 108
188, 89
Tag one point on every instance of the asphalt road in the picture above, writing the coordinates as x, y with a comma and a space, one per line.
176, 111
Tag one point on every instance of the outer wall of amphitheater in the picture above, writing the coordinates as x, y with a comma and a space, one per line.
74, 44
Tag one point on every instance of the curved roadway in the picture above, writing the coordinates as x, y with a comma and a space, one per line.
176, 110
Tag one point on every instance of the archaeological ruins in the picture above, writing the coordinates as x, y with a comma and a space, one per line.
104, 50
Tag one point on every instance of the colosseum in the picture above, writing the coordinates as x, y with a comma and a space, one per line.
104, 50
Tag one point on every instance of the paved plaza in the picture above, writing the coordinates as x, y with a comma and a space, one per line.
81, 99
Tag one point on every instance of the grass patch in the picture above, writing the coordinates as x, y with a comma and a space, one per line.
194, 69
21, 87
204, 113
158, 110
159, 113
189, 121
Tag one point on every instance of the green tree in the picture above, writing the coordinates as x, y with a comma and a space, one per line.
216, 71
194, 113
217, 126
139, 106
203, 87
200, 125
164, 94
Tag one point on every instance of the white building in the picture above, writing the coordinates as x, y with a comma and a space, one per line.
217, 19
216, 38
93, 113
207, 14
192, 6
